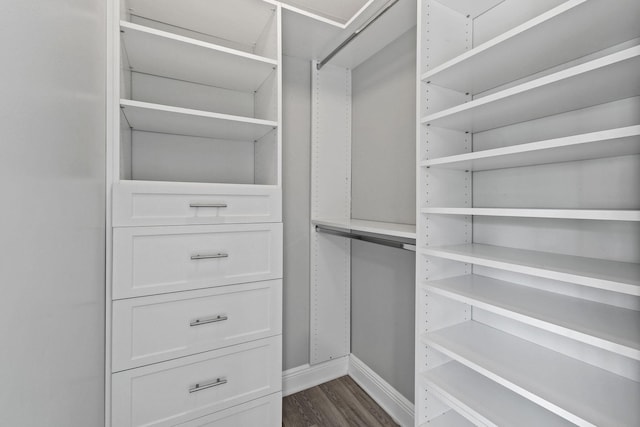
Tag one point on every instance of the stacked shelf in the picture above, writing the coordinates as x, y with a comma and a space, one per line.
508, 323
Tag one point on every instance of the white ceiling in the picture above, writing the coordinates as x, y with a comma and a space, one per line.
339, 10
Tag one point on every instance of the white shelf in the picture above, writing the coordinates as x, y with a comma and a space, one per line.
608, 143
615, 276
599, 81
588, 214
449, 419
149, 117
552, 38
574, 390
611, 328
483, 401
406, 231
169, 55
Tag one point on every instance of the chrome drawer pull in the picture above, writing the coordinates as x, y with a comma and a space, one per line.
206, 320
207, 205
203, 386
211, 256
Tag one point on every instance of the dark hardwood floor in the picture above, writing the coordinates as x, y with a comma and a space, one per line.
338, 403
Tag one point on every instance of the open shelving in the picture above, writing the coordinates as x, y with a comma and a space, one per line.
594, 145
587, 214
148, 117
602, 80
171, 55
448, 419
388, 229
515, 53
558, 383
612, 328
484, 402
623, 277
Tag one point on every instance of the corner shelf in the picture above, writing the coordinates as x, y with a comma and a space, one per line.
517, 53
483, 401
605, 79
169, 55
611, 328
595, 145
623, 277
150, 117
586, 214
574, 390
388, 229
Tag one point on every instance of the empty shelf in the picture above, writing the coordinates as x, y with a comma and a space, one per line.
590, 214
605, 326
449, 419
579, 392
605, 79
406, 231
614, 276
165, 54
552, 38
485, 402
609, 143
149, 117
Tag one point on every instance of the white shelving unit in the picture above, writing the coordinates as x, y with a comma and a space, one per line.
554, 381
528, 264
388, 229
195, 216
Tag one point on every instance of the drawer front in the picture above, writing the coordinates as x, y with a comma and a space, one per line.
181, 390
156, 260
138, 203
265, 412
157, 328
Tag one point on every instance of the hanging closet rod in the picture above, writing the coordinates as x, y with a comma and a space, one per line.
355, 34
367, 238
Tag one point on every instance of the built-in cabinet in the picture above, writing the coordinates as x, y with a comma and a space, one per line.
195, 285
528, 258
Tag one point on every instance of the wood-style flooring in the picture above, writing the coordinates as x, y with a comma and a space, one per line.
338, 403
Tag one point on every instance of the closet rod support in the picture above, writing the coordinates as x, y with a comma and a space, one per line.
365, 238
356, 33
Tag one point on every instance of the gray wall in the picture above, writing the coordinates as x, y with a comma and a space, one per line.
296, 141
52, 181
383, 189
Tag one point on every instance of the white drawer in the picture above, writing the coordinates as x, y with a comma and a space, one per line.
264, 412
157, 328
155, 260
181, 390
185, 203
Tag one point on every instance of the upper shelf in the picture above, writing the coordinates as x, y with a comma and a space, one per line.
312, 37
608, 143
555, 37
614, 276
588, 214
611, 328
388, 229
149, 117
605, 79
483, 401
579, 392
169, 55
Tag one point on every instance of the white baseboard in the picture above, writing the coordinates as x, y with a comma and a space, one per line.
307, 376
395, 404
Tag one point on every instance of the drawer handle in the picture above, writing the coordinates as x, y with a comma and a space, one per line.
203, 386
210, 256
207, 205
207, 320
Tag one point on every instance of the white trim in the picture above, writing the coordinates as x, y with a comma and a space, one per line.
395, 404
307, 376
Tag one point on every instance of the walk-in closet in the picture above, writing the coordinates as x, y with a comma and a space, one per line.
336, 213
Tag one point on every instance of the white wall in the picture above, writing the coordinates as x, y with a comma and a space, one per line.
383, 189
52, 180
